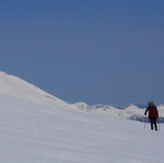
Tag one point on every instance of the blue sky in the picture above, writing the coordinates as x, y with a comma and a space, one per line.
94, 51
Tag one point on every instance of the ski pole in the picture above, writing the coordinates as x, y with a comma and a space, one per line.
145, 122
159, 126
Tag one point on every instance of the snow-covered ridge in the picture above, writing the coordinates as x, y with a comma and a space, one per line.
131, 111
18, 88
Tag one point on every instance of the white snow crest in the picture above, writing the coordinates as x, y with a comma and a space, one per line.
16, 87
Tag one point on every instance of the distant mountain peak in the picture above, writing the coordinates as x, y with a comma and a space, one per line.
131, 111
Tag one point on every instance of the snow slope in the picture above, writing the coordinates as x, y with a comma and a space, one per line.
33, 133
16, 87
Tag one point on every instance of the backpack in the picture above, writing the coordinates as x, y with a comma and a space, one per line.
152, 111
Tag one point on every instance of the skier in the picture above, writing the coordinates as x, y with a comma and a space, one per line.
153, 114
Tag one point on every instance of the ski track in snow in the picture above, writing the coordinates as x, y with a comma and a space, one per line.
33, 133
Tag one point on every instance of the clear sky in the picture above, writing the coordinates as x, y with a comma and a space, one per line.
94, 51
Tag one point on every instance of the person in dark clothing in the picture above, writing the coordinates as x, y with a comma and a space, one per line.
153, 114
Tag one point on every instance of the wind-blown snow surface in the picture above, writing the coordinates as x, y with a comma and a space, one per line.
33, 133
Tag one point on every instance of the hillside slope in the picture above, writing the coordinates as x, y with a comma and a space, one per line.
16, 87
32, 133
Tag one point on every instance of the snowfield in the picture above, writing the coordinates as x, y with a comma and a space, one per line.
33, 133
36, 127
